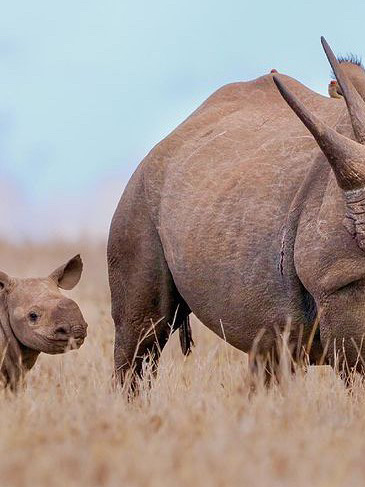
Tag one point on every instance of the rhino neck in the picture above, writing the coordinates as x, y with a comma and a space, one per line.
326, 256
16, 358
29, 356
11, 368
301, 302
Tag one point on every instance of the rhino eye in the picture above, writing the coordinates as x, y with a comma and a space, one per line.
33, 316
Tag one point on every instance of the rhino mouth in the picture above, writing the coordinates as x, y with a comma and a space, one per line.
53, 346
75, 343
56, 346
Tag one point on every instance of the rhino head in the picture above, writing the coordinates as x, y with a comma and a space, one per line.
36, 317
340, 289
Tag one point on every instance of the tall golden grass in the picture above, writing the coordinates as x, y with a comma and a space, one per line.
197, 425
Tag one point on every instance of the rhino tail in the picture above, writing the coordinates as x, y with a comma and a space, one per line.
186, 337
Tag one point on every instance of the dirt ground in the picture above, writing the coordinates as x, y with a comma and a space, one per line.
197, 425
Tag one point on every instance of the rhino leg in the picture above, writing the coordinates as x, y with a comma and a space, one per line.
146, 306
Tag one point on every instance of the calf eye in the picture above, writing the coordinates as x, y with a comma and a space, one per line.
33, 316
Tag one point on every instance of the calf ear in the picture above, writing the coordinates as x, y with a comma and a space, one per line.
68, 275
5, 281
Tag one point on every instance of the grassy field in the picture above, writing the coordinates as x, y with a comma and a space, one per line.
198, 425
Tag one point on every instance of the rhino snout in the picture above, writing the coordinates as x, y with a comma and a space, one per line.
62, 331
68, 321
65, 331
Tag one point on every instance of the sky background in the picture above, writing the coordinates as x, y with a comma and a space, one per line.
88, 88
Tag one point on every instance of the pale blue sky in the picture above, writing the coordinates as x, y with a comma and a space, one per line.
87, 88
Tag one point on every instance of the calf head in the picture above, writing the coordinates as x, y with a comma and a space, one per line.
39, 316
342, 303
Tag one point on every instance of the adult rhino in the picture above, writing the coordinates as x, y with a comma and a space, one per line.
244, 218
35, 317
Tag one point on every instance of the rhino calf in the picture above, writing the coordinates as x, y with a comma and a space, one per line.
35, 317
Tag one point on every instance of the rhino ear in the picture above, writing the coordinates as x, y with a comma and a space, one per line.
5, 281
69, 274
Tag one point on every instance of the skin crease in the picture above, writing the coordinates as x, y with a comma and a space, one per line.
35, 317
237, 217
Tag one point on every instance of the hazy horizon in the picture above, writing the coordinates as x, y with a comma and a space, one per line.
88, 90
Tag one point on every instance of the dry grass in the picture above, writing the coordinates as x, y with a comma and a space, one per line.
196, 426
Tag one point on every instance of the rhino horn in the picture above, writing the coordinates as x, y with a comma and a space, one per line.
346, 157
355, 103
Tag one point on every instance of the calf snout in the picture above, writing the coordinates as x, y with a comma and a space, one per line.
68, 321
63, 331
72, 337
79, 331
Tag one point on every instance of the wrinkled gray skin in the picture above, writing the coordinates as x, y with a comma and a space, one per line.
35, 317
237, 217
